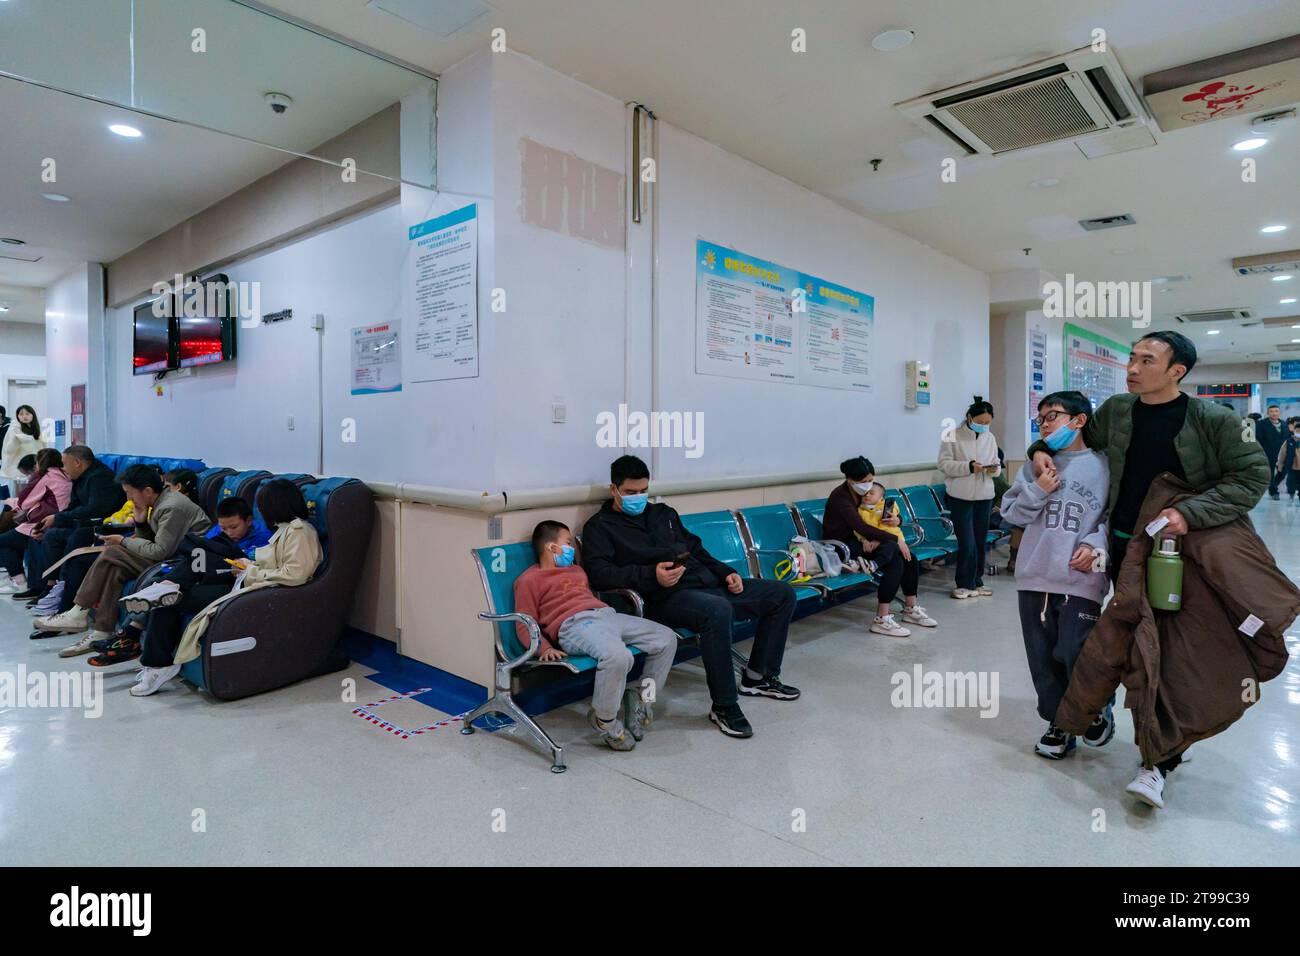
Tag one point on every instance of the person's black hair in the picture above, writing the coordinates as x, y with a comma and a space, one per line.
978, 407
48, 458
80, 452
33, 427
1074, 403
3, 415
234, 507
1184, 351
627, 467
1255, 416
280, 501
545, 533
142, 477
855, 469
188, 481
27, 463
1278, 407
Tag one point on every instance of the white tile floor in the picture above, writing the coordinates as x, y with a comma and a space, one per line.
292, 777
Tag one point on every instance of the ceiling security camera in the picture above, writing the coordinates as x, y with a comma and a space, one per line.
278, 102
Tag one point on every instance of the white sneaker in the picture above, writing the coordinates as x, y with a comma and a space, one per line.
83, 646
13, 585
1149, 787
982, 591
962, 594
889, 627
158, 594
69, 622
917, 615
152, 678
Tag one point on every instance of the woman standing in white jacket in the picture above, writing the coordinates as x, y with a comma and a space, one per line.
23, 438
968, 462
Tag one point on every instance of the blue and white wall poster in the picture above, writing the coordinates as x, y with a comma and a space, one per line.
443, 266
758, 320
377, 358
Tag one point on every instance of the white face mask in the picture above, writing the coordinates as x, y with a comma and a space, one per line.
860, 488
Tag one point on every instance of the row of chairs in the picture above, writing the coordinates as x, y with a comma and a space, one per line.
752, 541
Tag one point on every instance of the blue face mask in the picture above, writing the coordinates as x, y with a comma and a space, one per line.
1063, 437
634, 504
565, 558
977, 428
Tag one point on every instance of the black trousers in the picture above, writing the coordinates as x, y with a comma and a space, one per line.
710, 612
895, 573
13, 547
971, 524
1054, 627
163, 629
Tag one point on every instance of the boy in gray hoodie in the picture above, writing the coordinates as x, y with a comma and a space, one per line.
1060, 569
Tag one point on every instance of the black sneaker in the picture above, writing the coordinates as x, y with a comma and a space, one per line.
731, 721
1055, 744
1102, 729
767, 687
30, 593
118, 652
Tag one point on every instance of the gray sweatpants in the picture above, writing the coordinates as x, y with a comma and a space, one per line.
605, 635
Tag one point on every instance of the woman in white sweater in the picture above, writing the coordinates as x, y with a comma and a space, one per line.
23, 438
969, 460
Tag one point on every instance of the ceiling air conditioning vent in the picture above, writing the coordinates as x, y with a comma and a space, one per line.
1289, 320
1215, 315
1107, 222
1061, 98
1289, 347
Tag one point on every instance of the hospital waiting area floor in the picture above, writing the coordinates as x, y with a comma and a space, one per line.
842, 776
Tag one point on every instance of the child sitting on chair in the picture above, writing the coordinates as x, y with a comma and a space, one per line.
555, 593
875, 511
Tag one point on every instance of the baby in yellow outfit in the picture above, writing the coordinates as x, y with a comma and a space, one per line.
873, 510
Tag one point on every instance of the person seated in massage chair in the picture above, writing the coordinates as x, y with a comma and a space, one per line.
289, 559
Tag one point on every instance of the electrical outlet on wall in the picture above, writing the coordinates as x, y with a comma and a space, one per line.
290, 423
558, 413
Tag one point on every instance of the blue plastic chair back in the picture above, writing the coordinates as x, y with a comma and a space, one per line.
810, 513
769, 527
940, 492
908, 529
926, 510
720, 535
499, 567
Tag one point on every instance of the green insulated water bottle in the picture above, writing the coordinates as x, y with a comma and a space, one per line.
1165, 577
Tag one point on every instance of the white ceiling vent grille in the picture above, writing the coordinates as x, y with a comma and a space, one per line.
1061, 98
1214, 315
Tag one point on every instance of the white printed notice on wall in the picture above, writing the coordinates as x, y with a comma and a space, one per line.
377, 359
758, 320
444, 264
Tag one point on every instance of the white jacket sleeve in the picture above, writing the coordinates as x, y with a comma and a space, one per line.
952, 462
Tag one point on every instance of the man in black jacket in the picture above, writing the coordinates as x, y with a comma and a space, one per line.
632, 544
1271, 435
95, 495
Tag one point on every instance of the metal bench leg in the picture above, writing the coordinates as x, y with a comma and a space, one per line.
502, 702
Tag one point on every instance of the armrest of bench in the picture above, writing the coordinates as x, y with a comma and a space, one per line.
636, 600
534, 637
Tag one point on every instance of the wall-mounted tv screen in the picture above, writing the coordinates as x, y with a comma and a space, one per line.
205, 324
152, 351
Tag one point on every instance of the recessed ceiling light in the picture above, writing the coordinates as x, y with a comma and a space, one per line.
1273, 229
13, 242
4, 308
1281, 278
121, 129
1046, 183
1213, 332
1285, 301
1246, 145
1295, 340
892, 40
55, 197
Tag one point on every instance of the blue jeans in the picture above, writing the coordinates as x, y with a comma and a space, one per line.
971, 525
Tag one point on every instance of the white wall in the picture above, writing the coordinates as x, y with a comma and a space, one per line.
564, 335
72, 305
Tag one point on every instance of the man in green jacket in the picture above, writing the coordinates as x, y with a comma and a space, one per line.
1157, 428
